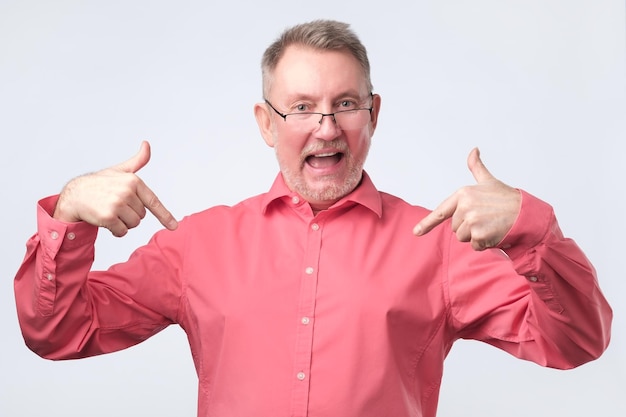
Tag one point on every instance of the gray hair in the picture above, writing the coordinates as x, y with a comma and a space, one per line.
318, 34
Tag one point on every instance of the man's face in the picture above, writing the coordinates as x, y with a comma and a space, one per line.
324, 162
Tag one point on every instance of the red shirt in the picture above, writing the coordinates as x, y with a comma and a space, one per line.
341, 314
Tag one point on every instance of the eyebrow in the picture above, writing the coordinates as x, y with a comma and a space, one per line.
307, 97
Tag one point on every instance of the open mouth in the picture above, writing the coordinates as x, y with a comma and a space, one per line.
324, 160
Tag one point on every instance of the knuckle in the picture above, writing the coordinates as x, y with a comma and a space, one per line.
108, 219
472, 220
117, 229
133, 223
482, 241
125, 194
154, 202
465, 191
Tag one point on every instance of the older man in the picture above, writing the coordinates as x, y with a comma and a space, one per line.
314, 299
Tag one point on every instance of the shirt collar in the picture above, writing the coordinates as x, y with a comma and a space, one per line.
365, 194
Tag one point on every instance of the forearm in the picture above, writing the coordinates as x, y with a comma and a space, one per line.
541, 302
568, 309
48, 285
65, 310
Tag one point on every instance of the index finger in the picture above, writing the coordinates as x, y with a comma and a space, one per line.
444, 211
150, 200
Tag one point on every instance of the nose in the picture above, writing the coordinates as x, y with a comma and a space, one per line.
328, 130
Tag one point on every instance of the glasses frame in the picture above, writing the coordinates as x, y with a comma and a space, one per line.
284, 115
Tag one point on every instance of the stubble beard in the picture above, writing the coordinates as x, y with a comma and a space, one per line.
325, 188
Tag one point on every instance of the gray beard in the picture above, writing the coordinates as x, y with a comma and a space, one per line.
330, 192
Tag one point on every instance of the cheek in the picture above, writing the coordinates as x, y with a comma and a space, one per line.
287, 150
290, 143
359, 143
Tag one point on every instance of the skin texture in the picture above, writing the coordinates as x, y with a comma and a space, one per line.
322, 165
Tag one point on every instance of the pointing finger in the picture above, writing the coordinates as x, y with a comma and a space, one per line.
477, 168
147, 197
444, 211
154, 205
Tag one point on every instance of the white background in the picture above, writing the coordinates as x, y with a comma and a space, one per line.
538, 85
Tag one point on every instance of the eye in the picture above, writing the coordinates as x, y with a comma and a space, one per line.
347, 104
301, 108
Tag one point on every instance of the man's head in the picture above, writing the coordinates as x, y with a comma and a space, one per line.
319, 67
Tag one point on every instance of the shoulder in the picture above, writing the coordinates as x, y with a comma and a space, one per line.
227, 213
396, 206
249, 205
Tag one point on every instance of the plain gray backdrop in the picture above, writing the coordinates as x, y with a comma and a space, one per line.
538, 85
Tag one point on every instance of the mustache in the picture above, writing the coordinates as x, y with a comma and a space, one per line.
337, 144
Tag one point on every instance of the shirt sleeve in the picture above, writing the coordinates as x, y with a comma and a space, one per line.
66, 311
536, 297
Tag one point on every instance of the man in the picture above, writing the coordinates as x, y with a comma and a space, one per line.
314, 299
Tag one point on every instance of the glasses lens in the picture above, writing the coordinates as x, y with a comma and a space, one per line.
346, 120
303, 122
352, 119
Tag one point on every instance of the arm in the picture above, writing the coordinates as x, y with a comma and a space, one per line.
66, 311
541, 301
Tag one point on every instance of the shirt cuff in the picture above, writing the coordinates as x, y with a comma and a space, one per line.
531, 228
55, 234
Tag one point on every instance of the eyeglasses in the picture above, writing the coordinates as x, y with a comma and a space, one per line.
351, 119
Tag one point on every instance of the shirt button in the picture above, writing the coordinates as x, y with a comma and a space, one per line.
71, 236
533, 279
54, 235
309, 270
295, 199
315, 226
305, 320
49, 276
301, 376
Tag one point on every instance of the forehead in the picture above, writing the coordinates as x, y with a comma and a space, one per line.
305, 71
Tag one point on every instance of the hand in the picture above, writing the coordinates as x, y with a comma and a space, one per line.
114, 198
482, 214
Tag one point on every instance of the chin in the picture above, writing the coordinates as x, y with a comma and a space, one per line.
329, 191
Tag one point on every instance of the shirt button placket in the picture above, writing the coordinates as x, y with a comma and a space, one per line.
306, 311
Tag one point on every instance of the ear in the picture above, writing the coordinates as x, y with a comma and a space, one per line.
264, 120
376, 100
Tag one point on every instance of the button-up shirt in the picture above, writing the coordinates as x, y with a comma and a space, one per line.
343, 313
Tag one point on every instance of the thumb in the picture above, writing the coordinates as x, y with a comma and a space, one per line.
477, 168
138, 161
